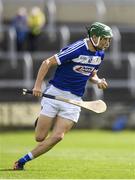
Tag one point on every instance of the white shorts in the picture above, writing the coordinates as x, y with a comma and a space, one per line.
51, 107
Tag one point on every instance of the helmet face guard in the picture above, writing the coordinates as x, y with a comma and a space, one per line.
99, 30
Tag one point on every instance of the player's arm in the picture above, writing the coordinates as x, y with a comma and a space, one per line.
45, 66
101, 83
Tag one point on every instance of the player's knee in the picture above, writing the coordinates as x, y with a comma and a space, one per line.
57, 137
39, 138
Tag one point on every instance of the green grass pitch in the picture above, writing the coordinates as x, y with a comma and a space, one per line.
81, 155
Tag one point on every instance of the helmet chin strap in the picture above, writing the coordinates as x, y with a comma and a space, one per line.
95, 44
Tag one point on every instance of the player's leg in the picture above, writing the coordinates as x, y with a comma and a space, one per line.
43, 126
44, 123
61, 126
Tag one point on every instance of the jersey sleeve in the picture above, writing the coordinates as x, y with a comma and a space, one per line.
65, 56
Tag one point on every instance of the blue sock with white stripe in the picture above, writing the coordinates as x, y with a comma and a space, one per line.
26, 158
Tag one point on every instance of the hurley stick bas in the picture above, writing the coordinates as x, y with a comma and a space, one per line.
97, 106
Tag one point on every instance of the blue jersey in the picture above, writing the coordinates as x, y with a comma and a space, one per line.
75, 66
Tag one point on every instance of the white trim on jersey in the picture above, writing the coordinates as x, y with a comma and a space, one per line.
85, 41
70, 51
74, 45
57, 59
71, 46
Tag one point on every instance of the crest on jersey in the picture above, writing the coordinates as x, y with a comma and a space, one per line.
93, 60
85, 70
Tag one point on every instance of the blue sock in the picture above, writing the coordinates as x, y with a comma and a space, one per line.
26, 158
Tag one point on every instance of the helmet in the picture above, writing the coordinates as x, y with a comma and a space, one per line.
100, 30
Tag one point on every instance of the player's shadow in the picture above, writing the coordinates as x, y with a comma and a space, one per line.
7, 170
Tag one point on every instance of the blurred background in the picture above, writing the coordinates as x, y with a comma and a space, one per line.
32, 30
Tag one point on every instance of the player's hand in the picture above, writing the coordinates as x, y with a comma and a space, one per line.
37, 92
102, 84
